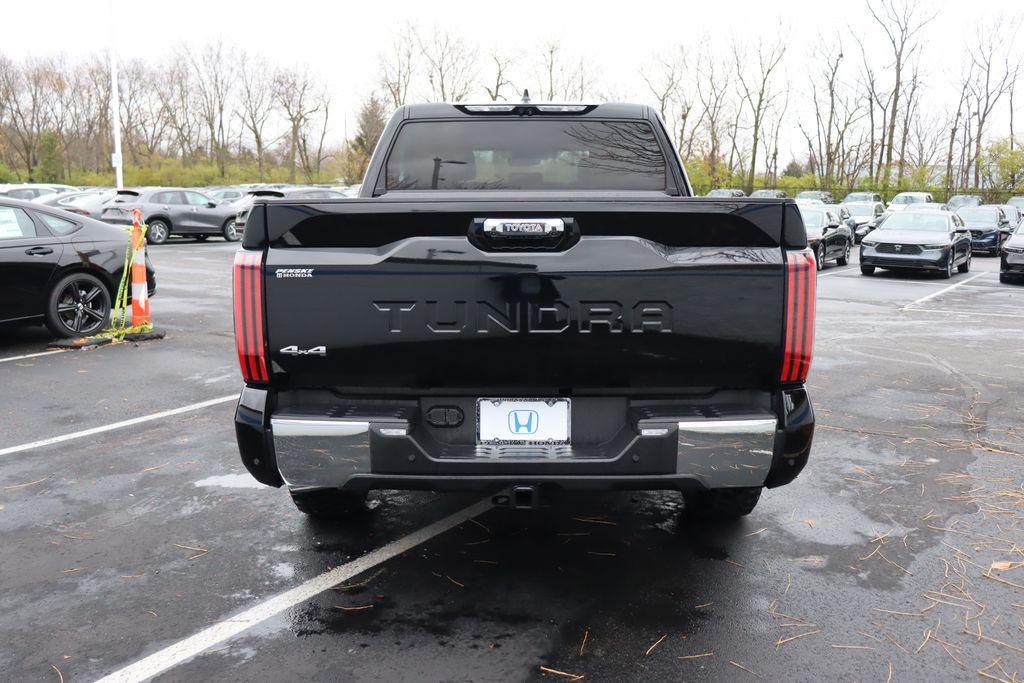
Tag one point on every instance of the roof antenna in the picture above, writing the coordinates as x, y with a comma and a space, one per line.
526, 96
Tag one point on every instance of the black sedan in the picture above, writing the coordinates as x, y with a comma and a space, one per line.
989, 227
1011, 265
920, 240
175, 211
59, 268
827, 235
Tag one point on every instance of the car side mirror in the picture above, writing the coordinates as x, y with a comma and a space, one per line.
832, 226
211, 205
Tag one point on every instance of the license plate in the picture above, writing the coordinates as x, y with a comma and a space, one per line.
522, 420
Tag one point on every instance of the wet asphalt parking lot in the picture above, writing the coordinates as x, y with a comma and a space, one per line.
147, 551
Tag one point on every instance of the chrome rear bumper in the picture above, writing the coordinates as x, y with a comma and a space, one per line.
314, 451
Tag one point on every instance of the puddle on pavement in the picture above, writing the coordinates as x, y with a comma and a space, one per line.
231, 481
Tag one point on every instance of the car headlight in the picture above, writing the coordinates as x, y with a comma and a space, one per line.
935, 246
868, 243
1013, 250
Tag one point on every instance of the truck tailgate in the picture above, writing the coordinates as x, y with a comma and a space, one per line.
648, 296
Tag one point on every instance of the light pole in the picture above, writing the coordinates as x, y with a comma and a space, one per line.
115, 103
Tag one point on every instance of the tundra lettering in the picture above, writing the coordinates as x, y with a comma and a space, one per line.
525, 317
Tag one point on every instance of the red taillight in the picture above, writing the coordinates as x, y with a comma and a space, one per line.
798, 345
249, 339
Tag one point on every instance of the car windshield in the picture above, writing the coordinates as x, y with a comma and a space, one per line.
808, 194
861, 209
859, 197
526, 155
813, 219
979, 215
913, 220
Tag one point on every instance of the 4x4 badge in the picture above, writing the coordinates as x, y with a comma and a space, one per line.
296, 351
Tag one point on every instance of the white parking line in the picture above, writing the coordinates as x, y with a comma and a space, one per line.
951, 312
32, 355
942, 291
117, 425
836, 272
183, 650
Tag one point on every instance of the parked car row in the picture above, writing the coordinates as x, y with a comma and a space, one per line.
199, 213
926, 236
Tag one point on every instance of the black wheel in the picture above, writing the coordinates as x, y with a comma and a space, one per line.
202, 238
965, 267
722, 503
948, 272
819, 256
229, 231
78, 305
867, 270
845, 258
329, 503
158, 232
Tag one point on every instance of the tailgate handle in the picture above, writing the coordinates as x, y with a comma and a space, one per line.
527, 228
523, 234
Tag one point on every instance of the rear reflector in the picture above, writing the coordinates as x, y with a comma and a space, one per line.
249, 337
801, 281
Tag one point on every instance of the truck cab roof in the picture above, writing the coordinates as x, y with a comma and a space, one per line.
440, 110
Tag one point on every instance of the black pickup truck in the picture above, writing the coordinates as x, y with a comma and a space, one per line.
524, 298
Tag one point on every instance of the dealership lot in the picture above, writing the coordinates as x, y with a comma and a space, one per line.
898, 553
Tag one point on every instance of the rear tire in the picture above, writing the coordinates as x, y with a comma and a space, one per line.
77, 306
867, 270
157, 232
229, 232
722, 504
329, 503
819, 256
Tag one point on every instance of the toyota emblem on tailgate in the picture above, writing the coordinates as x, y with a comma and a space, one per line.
531, 227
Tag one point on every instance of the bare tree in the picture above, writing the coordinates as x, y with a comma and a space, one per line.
214, 67
299, 97
256, 104
758, 95
668, 81
902, 22
995, 72
24, 89
397, 66
502, 63
450, 65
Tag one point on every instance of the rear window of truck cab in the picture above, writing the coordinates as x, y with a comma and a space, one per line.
526, 154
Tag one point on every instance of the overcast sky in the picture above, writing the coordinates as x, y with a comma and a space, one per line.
341, 40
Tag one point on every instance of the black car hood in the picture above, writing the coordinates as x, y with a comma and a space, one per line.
909, 236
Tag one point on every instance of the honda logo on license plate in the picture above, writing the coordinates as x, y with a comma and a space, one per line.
523, 421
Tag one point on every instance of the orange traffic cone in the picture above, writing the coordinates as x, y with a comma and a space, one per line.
140, 286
